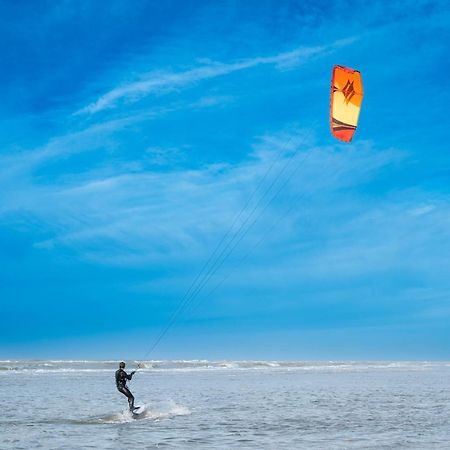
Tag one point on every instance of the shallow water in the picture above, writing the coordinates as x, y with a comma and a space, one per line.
226, 404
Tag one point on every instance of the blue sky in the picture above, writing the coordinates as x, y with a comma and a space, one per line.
133, 135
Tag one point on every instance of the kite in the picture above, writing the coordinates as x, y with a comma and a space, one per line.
345, 104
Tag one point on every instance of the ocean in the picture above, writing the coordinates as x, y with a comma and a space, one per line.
226, 404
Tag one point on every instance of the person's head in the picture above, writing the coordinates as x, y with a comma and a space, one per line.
122, 365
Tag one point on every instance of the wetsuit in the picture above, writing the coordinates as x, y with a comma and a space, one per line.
121, 383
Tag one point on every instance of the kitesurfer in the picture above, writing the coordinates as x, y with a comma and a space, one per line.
121, 383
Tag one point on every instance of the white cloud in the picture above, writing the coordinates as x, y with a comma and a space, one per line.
134, 218
157, 82
96, 136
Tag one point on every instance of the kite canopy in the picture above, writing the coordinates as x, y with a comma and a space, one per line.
346, 99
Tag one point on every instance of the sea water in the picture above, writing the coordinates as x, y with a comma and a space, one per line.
226, 404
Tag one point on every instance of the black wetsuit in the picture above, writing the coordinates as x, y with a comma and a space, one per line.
121, 383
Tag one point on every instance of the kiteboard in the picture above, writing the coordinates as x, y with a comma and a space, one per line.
138, 410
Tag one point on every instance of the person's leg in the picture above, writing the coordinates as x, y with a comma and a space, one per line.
125, 391
130, 398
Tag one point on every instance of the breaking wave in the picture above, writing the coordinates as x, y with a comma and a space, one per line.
86, 366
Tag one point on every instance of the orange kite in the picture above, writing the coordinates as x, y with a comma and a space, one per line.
346, 99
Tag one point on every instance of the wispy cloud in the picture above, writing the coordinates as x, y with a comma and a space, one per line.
99, 135
167, 81
155, 215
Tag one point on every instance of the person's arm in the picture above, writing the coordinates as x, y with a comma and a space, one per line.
130, 375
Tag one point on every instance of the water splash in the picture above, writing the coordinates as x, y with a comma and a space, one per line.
153, 414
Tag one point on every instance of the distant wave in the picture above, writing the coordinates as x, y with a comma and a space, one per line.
92, 366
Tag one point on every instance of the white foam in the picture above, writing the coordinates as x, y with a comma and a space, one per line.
8, 367
149, 413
